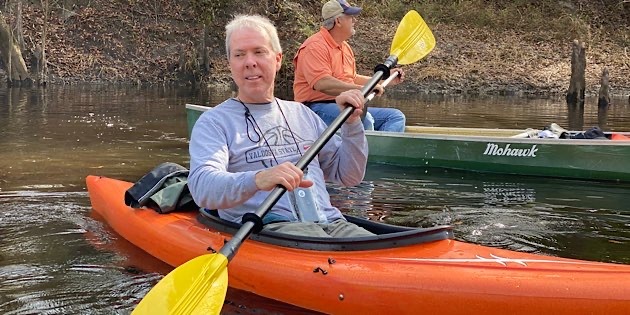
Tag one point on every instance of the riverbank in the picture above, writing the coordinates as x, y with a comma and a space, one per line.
149, 44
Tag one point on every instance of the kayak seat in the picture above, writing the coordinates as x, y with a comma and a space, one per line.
387, 235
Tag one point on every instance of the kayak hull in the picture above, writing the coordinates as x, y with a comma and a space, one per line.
438, 277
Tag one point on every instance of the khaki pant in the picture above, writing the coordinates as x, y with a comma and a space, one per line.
338, 228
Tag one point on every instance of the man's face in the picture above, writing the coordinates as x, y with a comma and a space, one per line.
254, 65
346, 24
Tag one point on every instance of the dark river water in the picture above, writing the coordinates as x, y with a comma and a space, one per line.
56, 258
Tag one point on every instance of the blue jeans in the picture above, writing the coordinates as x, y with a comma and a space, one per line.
381, 119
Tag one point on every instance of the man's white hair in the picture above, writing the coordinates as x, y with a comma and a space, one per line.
329, 23
256, 22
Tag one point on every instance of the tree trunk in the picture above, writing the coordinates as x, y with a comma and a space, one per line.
43, 64
205, 60
19, 26
12, 55
575, 95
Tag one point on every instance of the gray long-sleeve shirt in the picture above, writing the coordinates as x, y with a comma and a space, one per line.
227, 149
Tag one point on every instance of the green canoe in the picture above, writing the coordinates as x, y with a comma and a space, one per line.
493, 150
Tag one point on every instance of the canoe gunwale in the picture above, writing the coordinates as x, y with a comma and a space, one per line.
195, 107
462, 133
387, 236
493, 138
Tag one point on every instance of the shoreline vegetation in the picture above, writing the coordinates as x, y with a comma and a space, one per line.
483, 47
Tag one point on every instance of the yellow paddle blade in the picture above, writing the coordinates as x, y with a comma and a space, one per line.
413, 39
196, 287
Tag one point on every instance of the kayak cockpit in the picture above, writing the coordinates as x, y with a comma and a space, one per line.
387, 236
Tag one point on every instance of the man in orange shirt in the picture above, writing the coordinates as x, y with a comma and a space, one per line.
325, 67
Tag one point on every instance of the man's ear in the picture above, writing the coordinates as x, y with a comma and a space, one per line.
278, 61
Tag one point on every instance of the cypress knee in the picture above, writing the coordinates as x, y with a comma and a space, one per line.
575, 95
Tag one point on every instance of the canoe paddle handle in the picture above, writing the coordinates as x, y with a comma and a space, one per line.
381, 70
393, 76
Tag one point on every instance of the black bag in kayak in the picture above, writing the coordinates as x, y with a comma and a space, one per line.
164, 189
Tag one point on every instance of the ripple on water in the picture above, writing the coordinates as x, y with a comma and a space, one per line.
47, 265
78, 265
73, 289
510, 215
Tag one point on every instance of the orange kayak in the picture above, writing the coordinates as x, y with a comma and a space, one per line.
403, 271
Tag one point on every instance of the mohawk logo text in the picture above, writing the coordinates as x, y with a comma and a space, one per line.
496, 150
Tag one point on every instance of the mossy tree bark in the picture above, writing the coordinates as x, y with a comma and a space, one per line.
12, 55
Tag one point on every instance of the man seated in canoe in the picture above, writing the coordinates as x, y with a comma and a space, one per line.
249, 144
325, 66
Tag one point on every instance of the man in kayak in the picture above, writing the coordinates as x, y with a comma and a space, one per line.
246, 146
325, 66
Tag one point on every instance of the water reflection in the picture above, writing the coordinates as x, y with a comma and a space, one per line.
55, 258
602, 117
576, 117
63, 134
505, 112
575, 219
